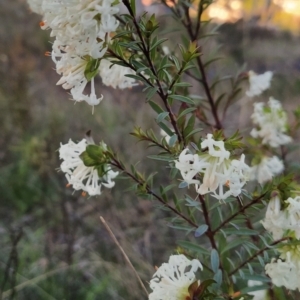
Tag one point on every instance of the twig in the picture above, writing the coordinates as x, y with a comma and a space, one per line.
161, 93
187, 23
255, 255
209, 233
240, 211
149, 191
124, 254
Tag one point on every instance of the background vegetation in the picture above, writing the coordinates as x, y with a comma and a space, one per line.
53, 245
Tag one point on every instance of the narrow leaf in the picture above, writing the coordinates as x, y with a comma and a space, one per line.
156, 107
182, 99
201, 230
193, 247
182, 185
162, 116
214, 260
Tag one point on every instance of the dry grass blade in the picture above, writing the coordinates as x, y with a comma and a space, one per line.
124, 254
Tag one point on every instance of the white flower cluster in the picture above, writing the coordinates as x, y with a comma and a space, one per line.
83, 31
114, 75
271, 122
278, 221
285, 271
218, 170
80, 176
284, 223
172, 280
258, 83
266, 169
35, 6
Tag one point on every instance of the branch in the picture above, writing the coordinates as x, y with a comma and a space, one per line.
209, 233
256, 254
149, 191
145, 50
194, 37
241, 210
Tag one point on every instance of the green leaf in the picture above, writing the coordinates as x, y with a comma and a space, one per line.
120, 34
207, 63
193, 247
254, 288
133, 6
91, 69
87, 160
182, 99
176, 61
94, 151
165, 128
182, 84
151, 92
193, 132
218, 277
214, 260
173, 140
182, 185
167, 188
219, 99
156, 107
161, 157
161, 116
201, 230
186, 111
190, 126
219, 80
185, 228
241, 231
202, 288
155, 44
136, 77
232, 244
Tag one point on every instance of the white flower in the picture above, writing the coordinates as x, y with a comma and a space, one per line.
80, 176
278, 221
275, 219
285, 272
266, 169
189, 166
217, 168
258, 83
217, 161
166, 50
215, 148
293, 215
35, 6
172, 280
234, 178
82, 31
257, 295
72, 71
271, 122
114, 75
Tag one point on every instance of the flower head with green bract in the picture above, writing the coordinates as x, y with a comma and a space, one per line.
83, 173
